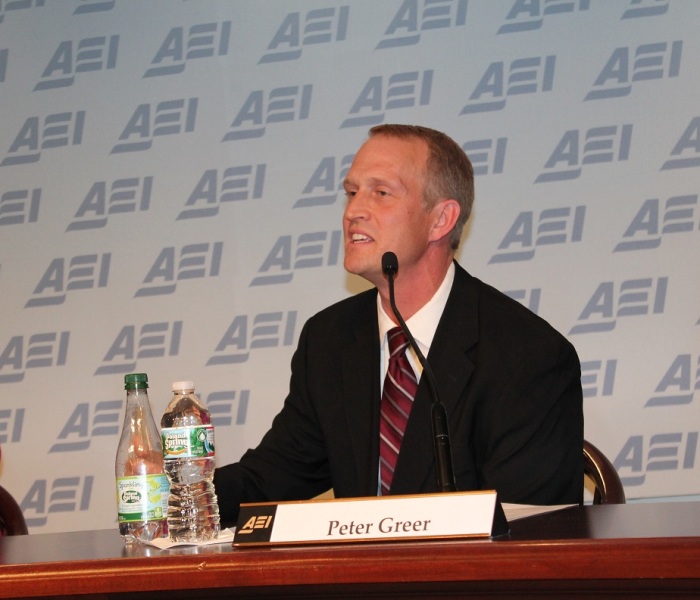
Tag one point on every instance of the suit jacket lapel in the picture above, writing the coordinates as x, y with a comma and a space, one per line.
457, 332
360, 381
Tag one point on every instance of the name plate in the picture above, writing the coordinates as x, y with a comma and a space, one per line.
427, 516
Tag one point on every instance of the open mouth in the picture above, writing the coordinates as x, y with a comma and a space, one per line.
356, 238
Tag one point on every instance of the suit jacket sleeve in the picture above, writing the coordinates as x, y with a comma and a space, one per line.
326, 433
529, 439
527, 406
289, 463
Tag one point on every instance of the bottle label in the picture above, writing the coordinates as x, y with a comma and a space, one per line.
188, 442
140, 497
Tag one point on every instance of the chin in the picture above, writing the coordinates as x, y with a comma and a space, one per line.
355, 260
352, 267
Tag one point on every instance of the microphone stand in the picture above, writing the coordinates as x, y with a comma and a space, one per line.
441, 435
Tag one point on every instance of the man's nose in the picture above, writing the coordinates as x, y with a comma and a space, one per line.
356, 207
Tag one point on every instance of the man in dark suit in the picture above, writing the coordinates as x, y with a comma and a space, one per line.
510, 383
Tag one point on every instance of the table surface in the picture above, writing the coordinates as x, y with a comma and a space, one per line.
629, 549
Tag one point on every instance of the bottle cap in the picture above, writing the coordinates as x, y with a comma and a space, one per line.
135, 380
178, 386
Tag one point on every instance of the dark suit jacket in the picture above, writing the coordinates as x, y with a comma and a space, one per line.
510, 383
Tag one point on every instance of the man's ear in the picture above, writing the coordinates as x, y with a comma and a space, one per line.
447, 213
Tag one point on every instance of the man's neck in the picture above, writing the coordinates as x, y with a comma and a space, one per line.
412, 293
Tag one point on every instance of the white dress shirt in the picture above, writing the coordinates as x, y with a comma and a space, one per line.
422, 325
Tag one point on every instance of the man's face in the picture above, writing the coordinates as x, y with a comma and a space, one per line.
384, 210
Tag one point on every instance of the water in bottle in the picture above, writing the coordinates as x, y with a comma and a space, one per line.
142, 486
188, 452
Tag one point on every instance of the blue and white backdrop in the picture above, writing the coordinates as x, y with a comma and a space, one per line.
170, 203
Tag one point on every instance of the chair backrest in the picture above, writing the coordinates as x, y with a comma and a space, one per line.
597, 467
11, 518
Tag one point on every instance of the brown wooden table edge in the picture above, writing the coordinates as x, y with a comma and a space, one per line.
561, 561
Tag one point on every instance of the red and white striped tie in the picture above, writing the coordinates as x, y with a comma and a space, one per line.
400, 388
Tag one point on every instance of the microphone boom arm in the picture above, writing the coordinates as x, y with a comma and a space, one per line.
441, 435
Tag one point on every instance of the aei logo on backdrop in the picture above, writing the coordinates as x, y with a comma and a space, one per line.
40, 350
93, 6
653, 221
598, 377
89, 55
317, 26
528, 15
659, 452
325, 182
191, 261
679, 384
554, 226
86, 6
625, 67
389, 92
126, 195
247, 333
630, 298
520, 76
12, 5
415, 16
199, 41
58, 130
20, 206
646, 8
220, 405
82, 272
597, 145
86, 422
60, 495
152, 340
11, 422
170, 117
283, 104
234, 184
307, 251
487, 156
689, 143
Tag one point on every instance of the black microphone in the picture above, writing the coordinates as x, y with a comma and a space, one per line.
441, 435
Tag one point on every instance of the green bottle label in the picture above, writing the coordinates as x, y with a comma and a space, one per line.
188, 442
140, 497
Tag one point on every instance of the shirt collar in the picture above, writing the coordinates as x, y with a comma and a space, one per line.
424, 323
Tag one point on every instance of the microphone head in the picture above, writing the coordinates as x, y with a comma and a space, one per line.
390, 264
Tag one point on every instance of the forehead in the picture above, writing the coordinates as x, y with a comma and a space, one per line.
402, 156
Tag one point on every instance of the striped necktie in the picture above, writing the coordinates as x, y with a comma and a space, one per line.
400, 387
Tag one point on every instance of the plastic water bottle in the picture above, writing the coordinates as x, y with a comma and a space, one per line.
188, 452
142, 486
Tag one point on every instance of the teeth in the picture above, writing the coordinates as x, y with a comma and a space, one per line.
358, 237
